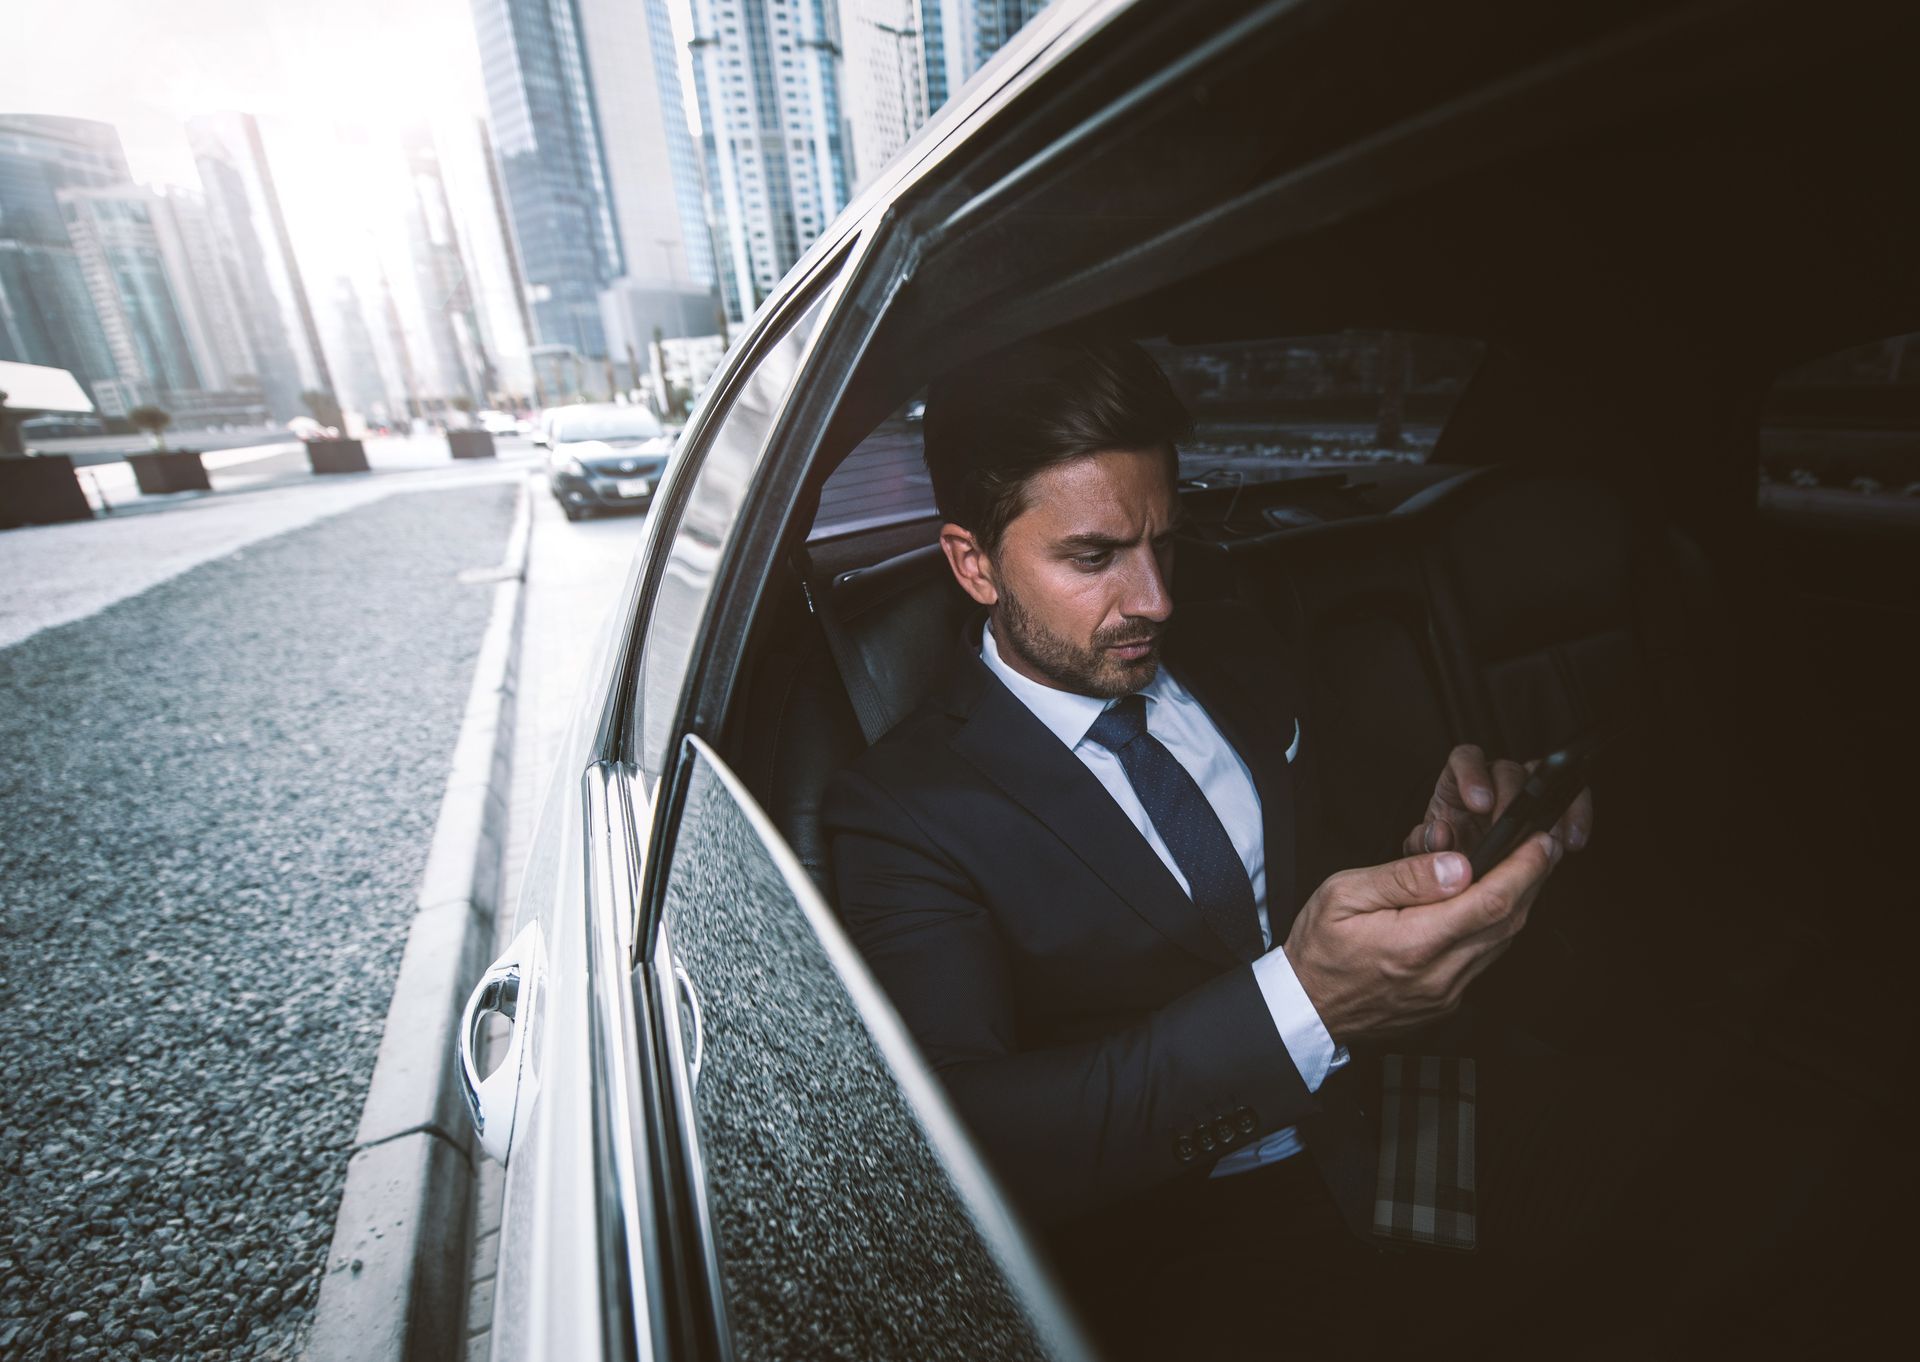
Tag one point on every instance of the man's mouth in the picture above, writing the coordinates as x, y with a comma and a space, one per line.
1133, 651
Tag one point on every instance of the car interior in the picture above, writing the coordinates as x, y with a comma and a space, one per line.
1600, 303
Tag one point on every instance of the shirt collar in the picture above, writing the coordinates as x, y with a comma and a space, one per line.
1067, 714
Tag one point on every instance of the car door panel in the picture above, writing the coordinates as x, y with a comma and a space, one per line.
845, 1210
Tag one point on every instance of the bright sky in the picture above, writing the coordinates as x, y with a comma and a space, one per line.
148, 65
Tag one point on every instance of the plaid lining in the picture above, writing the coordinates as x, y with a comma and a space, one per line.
1424, 1188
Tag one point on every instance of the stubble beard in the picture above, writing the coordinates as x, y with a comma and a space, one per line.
1087, 670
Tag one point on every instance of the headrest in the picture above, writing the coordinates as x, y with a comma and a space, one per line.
903, 616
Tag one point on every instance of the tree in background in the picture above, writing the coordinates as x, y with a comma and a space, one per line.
154, 422
325, 408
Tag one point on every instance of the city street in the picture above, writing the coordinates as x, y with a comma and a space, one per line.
224, 734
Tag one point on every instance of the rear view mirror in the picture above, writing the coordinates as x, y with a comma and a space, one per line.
540, 438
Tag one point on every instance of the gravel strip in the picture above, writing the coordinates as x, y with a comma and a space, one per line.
217, 797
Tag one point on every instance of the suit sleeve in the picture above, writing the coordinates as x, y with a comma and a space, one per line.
1070, 1127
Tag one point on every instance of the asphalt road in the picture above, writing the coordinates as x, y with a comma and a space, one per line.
216, 798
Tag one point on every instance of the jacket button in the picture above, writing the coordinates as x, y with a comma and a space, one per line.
1183, 1149
1205, 1135
1246, 1120
1223, 1131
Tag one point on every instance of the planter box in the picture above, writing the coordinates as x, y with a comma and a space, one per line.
170, 470
470, 444
337, 456
40, 491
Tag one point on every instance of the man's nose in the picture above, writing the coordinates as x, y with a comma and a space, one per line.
1147, 596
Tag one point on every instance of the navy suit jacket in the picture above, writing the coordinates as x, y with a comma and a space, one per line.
1095, 1033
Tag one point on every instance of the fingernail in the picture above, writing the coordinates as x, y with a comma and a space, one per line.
1576, 837
1426, 836
1481, 796
1451, 870
1553, 848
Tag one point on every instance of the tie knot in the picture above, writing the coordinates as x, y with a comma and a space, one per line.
1125, 720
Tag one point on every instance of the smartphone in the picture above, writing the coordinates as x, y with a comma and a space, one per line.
1550, 789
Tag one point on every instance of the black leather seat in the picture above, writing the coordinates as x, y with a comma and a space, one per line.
900, 622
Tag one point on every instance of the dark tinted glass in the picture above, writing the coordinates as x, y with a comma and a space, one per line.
840, 1225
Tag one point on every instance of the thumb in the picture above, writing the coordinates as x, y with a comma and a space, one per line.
1404, 883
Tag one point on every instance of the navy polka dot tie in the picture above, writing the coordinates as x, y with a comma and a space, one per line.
1186, 822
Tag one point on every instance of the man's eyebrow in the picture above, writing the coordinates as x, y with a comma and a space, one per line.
1093, 539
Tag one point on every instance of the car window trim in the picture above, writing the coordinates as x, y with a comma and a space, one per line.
613, 734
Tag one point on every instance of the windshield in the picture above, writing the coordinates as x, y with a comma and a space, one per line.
624, 423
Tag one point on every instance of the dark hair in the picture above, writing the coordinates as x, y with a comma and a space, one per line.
994, 422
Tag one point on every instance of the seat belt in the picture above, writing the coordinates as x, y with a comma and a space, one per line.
867, 705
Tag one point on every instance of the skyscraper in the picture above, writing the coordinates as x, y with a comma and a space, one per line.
119, 252
454, 350
886, 79
905, 58
46, 309
498, 298
767, 78
209, 310
595, 158
546, 134
244, 209
974, 30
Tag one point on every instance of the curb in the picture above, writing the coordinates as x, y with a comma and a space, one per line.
395, 1284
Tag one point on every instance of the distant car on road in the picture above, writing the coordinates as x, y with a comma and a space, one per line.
306, 428
501, 423
604, 457
61, 426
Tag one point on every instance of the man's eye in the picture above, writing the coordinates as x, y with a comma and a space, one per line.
1096, 559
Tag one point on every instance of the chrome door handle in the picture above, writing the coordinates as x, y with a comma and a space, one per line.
507, 988
692, 995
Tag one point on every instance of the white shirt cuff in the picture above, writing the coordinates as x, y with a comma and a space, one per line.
1301, 1031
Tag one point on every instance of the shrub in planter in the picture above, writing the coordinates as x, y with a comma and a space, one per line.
170, 470
470, 444
40, 491
337, 456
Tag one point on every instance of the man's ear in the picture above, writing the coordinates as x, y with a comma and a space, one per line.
971, 566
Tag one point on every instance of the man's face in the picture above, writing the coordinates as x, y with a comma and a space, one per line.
1080, 579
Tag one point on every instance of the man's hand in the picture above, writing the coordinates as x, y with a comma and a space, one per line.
1392, 947
1472, 793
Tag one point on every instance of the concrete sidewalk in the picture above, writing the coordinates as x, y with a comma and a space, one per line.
575, 573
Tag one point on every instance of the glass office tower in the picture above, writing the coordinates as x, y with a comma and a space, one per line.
46, 309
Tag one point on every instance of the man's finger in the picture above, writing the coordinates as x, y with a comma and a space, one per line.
1436, 834
1467, 781
1575, 828
1488, 908
1404, 883
1509, 778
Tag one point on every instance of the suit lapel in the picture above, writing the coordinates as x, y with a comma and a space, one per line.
1021, 755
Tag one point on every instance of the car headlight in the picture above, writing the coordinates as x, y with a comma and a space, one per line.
576, 468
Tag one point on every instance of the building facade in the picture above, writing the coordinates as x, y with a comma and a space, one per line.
767, 81
47, 314
553, 164
886, 71
250, 232
113, 235
209, 311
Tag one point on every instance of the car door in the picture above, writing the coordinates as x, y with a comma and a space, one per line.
800, 1186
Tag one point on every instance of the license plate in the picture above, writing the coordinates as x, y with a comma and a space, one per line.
630, 487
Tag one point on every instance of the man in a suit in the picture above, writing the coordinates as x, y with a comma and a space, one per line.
1085, 873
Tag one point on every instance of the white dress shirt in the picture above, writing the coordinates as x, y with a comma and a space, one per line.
1182, 726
